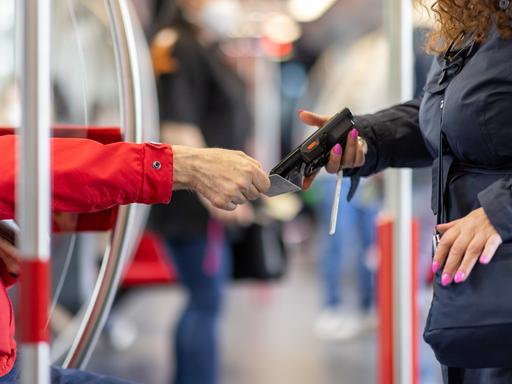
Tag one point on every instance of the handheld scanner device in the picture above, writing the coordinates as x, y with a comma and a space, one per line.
311, 155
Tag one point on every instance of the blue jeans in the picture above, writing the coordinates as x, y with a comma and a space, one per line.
201, 266
66, 376
355, 235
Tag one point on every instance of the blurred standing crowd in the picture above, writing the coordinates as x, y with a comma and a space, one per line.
206, 99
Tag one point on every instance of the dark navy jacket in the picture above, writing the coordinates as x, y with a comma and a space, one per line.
475, 111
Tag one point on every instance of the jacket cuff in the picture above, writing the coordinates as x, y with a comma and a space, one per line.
364, 127
496, 200
158, 174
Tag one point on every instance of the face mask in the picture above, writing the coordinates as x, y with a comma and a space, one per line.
220, 17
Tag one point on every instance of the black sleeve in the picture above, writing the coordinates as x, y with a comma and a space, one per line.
496, 200
394, 140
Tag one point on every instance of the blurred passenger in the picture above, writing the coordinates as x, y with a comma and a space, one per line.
354, 80
202, 103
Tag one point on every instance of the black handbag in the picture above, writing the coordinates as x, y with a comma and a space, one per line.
258, 252
470, 324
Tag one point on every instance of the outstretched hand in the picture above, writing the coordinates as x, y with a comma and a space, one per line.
225, 178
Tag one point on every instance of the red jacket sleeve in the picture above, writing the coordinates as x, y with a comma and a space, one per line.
89, 176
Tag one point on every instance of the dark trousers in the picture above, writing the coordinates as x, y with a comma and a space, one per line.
201, 266
66, 376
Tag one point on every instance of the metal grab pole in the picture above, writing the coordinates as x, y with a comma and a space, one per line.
399, 192
129, 218
33, 190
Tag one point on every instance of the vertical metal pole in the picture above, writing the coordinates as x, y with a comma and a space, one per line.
33, 189
399, 191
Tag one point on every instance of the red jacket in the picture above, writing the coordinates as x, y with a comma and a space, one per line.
87, 176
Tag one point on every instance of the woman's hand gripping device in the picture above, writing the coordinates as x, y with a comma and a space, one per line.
311, 155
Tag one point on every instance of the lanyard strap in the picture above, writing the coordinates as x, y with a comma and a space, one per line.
441, 216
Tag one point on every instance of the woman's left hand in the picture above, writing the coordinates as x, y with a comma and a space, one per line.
463, 243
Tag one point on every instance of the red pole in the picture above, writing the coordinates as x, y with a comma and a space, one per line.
415, 314
385, 304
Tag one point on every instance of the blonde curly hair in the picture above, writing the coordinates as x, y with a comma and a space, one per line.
469, 16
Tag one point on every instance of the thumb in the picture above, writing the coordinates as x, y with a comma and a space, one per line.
311, 118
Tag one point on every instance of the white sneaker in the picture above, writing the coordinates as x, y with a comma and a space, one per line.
338, 325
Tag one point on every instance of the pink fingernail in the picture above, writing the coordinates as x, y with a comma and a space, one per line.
300, 111
354, 133
337, 149
435, 266
459, 277
484, 259
446, 279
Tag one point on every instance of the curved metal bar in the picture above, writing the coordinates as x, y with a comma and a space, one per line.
131, 218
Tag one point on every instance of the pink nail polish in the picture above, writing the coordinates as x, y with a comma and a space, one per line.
354, 133
484, 259
435, 266
459, 277
446, 279
337, 149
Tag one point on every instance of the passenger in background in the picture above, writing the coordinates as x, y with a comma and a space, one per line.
354, 80
202, 103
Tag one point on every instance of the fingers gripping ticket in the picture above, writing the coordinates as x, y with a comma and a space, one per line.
260, 180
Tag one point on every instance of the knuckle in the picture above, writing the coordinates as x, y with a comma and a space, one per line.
249, 168
446, 240
456, 250
241, 184
496, 239
442, 247
472, 251
330, 167
233, 193
351, 161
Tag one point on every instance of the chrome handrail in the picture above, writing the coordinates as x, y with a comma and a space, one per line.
131, 219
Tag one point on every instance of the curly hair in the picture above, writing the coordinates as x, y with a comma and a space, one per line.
474, 17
